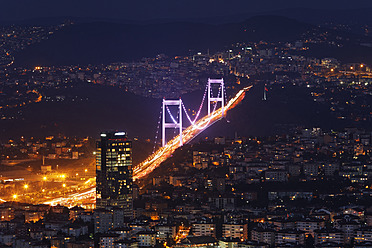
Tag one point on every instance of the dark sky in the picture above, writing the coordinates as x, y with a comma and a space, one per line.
153, 9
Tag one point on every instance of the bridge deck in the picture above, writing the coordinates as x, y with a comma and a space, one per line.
153, 161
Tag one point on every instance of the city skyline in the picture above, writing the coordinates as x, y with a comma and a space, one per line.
185, 124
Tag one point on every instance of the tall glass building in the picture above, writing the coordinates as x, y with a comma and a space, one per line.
114, 172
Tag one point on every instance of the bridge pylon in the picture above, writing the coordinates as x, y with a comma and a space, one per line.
219, 98
174, 123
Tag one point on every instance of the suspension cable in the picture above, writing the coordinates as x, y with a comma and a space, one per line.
200, 107
199, 110
178, 121
157, 130
214, 109
170, 114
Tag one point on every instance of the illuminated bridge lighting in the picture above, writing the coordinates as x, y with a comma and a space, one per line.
153, 161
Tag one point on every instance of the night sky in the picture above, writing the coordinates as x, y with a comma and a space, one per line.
152, 9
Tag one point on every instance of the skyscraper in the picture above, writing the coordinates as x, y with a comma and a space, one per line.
114, 172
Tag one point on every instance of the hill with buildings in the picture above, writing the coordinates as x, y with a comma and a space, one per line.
105, 42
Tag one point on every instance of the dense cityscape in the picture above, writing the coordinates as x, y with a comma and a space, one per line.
289, 183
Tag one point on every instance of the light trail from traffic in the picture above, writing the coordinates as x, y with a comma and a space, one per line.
71, 200
153, 161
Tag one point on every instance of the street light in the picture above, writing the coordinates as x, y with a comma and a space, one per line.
25, 186
15, 196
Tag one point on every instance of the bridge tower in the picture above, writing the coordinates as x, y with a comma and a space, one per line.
219, 98
174, 123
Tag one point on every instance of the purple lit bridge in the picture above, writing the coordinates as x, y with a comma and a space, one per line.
196, 127
175, 123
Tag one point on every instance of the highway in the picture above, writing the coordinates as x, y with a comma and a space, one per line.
71, 200
86, 194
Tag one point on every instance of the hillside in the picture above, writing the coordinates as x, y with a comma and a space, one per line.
104, 42
94, 109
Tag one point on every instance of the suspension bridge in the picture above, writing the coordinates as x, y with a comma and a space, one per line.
217, 109
196, 127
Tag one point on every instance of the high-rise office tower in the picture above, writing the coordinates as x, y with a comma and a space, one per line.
114, 172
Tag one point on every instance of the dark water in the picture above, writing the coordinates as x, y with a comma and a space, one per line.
109, 108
